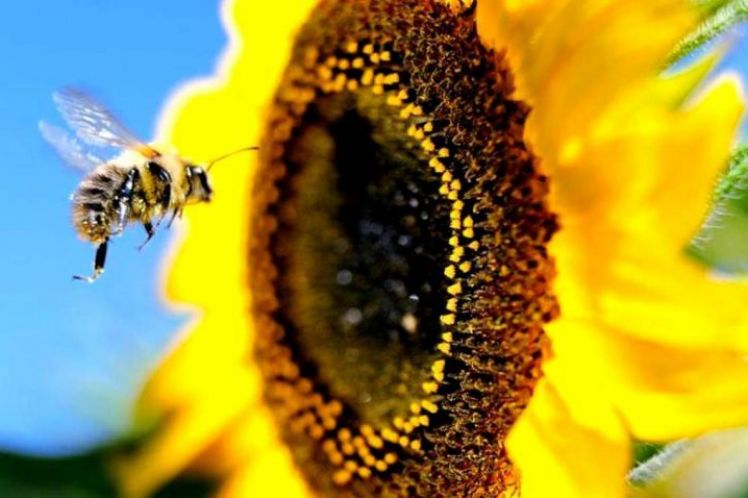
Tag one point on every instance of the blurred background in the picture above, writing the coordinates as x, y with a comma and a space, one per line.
73, 356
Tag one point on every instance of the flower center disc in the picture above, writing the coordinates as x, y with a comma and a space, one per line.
398, 262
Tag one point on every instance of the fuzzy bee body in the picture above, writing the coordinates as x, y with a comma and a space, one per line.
140, 185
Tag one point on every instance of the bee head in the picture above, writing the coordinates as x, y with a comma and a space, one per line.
199, 188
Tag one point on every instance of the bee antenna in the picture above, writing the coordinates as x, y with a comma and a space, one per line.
226, 156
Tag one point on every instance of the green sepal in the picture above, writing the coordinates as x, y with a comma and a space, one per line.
718, 17
722, 242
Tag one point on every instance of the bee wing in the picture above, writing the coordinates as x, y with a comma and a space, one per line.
95, 124
68, 148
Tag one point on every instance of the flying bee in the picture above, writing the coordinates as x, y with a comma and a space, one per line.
140, 185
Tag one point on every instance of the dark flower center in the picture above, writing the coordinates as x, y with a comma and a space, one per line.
398, 254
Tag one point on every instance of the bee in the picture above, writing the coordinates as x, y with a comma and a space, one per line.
141, 184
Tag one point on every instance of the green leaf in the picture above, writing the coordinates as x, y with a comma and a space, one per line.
84, 476
713, 466
720, 16
722, 242
75, 477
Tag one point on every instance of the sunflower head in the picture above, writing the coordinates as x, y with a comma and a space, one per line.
398, 262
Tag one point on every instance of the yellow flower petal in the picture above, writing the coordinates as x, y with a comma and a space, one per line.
620, 254
566, 445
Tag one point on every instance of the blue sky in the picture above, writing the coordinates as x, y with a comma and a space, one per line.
72, 356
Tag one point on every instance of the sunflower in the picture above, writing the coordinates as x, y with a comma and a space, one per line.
456, 267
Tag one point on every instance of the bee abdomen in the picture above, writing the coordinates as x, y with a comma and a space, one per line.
93, 209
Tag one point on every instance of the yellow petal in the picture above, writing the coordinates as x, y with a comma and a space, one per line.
567, 445
573, 59
208, 366
620, 253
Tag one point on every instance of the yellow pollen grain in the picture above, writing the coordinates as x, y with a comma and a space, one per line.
389, 435
415, 445
446, 177
454, 241
450, 271
424, 419
474, 245
368, 77
465, 266
437, 165
366, 430
374, 58
444, 189
443, 152
412, 130
417, 110
408, 427
336, 458
350, 465
339, 83
329, 446
468, 221
352, 85
347, 449
455, 185
393, 101
444, 347
430, 387
452, 195
468, 233
452, 304
429, 406
392, 79
316, 431
368, 49
398, 422
375, 442
455, 223
341, 477
377, 89
403, 441
364, 472
344, 434
455, 289
448, 319
438, 366
415, 407
447, 336
385, 56
358, 63
428, 145
351, 47
359, 442
428, 127
335, 407
402, 95
369, 460
415, 421
381, 466
390, 458
344, 64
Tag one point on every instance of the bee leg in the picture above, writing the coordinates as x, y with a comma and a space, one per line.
123, 200
177, 212
150, 231
99, 261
